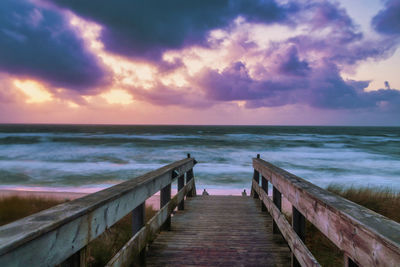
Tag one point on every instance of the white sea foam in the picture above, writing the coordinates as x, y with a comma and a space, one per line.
100, 158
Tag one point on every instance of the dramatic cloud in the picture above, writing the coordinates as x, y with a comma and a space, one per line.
38, 42
198, 54
319, 88
147, 28
387, 21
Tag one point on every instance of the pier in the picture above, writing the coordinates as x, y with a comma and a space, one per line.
191, 230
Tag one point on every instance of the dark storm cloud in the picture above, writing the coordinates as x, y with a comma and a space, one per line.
38, 42
146, 28
387, 21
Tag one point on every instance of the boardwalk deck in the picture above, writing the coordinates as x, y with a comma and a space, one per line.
219, 231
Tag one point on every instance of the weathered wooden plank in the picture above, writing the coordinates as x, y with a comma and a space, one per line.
51, 236
298, 248
213, 231
146, 234
369, 238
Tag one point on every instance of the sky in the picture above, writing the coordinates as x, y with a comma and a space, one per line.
254, 62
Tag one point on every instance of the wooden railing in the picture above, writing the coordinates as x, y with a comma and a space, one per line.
60, 234
365, 237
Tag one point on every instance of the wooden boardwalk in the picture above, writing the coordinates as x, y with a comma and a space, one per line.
219, 231
210, 231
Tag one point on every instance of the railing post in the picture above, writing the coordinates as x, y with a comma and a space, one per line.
256, 177
299, 226
349, 262
78, 259
264, 187
277, 199
165, 197
138, 221
181, 184
189, 176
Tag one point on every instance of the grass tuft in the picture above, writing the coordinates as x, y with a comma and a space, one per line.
100, 250
13, 208
382, 200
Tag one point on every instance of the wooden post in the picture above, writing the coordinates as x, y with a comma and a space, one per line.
189, 176
349, 262
256, 177
299, 226
138, 221
264, 186
181, 184
165, 197
277, 199
78, 259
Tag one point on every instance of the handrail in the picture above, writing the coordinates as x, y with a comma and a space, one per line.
367, 238
53, 235
132, 249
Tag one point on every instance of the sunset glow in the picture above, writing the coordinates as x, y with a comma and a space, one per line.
34, 91
326, 57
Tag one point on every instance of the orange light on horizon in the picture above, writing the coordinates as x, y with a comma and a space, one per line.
117, 96
33, 90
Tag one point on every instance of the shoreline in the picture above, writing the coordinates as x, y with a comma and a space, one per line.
153, 201
67, 194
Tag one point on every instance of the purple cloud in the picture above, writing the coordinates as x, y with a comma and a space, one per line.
38, 42
387, 21
321, 87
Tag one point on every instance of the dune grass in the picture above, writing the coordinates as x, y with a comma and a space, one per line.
384, 201
103, 248
15, 207
381, 200
99, 251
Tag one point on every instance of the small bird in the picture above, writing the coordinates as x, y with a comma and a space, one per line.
244, 193
205, 193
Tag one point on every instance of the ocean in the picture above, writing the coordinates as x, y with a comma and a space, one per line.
86, 158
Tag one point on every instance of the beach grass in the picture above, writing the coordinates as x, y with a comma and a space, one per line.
16, 207
382, 200
103, 248
99, 251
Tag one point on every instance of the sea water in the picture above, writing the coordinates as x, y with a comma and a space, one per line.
85, 158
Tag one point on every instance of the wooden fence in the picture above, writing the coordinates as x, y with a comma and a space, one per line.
60, 234
365, 237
